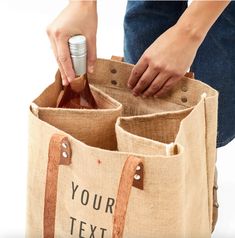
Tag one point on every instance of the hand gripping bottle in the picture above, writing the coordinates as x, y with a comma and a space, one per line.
78, 94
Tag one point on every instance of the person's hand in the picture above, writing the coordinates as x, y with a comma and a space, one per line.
77, 18
164, 63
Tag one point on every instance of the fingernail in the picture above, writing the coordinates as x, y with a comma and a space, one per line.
70, 79
129, 86
64, 82
91, 69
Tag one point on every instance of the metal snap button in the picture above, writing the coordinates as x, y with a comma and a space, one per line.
137, 177
138, 168
65, 155
64, 145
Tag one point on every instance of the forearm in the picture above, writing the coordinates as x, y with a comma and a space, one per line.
198, 18
86, 3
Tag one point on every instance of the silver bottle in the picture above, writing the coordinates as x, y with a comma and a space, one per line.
78, 52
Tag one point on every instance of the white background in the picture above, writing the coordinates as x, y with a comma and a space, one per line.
27, 67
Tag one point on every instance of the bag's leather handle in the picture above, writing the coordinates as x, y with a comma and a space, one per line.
117, 58
190, 75
59, 154
132, 175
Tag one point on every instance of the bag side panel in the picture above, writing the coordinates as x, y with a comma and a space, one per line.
192, 136
211, 106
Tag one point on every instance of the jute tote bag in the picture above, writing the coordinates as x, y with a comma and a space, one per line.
135, 167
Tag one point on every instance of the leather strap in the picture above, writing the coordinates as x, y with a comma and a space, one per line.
59, 154
117, 58
132, 171
190, 75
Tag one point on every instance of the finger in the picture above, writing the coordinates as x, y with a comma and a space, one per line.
137, 72
156, 85
91, 54
167, 87
65, 81
64, 58
144, 81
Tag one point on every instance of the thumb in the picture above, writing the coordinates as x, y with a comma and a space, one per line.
91, 54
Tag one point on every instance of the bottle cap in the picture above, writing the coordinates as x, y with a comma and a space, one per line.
78, 50
77, 45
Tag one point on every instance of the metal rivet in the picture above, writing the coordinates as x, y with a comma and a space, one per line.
184, 99
64, 145
137, 177
184, 88
138, 168
65, 155
114, 82
113, 71
216, 204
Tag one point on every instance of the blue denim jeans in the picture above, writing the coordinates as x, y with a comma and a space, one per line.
215, 60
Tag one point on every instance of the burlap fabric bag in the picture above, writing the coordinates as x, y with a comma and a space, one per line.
136, 167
